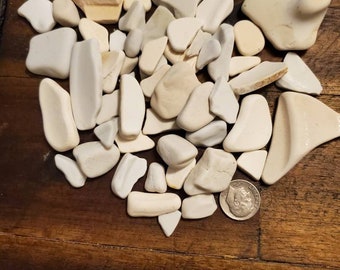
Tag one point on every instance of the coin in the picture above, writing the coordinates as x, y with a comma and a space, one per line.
241, 200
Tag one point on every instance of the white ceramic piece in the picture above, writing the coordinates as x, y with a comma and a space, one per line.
288, 25
301, 123
94, 159
146, 4
173, 90
212, 173
148, 84
175, 177
181, 8
223, 101
58, 123
131, 107
107, 131
117, 40
239, 64
213, 12
162, 62
129, 170
174, 57
113, 62
176, 151
70, 169
138, 144
169, 222
182, 31
109, 107
198, 206
191, 118
210, 135
220, 66
86, 83
133, 42
155, 179
151, 54
133, 18
49, 53
107, 12
144, 204
154, 124
300, 77
252, 163
249, 39
129, 65
39, 13
258, 77
90, 29
65, 13
210, 50
197, 43
253, 127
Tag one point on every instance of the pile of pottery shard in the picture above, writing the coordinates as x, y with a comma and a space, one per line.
167, 50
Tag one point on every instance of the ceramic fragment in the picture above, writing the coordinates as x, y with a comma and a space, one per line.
175, 177
198, 206
155, 124
129, 65
175, 57
253, 127
197, 43
155, 179
107, 131
212, 173
176, 151
239, 64
299, 77
258, 77
138, 144
113, 62
86, 83
70, 169
148, 84
301, 123
94, 159
146, 4
169, 222
252, 163
90, 29
117, 40
133, 18
104, 13
109, 107
133, 42
210, 50
50, 53
129, 170
39, 13
59, 127
65, 13
143, 204
181, 8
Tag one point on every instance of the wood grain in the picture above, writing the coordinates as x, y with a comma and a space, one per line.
46, 224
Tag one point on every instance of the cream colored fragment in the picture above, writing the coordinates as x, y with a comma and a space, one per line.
155, 179
107, 132
90, 29
149, 84
155, 124
71, 170
129, 65
114, 61
66, 13
138, 144
239, 64
252, 163
146, 4
109, 107
199, 206
105, 14
197, 43
175, 177
169, 222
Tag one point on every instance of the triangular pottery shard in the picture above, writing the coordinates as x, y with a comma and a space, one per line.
301, 123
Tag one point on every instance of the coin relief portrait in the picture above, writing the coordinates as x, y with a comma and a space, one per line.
241, 201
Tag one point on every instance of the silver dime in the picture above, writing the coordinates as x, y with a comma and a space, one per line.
241, 200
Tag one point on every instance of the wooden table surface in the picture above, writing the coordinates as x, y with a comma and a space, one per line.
46, 224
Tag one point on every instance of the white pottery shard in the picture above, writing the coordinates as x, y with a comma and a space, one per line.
212, 173
94, 159
223, 101
149, 84
210, 50
198, 206
133, 18
212, 134
300, 77
113, 61
151, 54
138, 144
66, 13
155, 124
175, 177
182, 31
288, 25
107, 12
249, 39
58, 123
144, 204
86, 83
133, 42
220, 66
181, 8
252, 163
50, 53
173, 90
239, 64
301, 123
107, 131
174, 57
169, 222
146, 4
176, 151
129, 170
129, 65
117, 40
213, 12
90, 29
71, 170
39, 13
131, 108
253, 127
155, 179
109, 107
258, 77
192, 119
197, 43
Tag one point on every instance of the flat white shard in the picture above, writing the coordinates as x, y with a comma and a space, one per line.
129, 170
71, 170
133, 42
107, 131
239, 64
133, 18
90, 29
117, 40
149, 84
146, 4
138, 144
197, 43
112, 64
175, 177
155, 179
66, 13
181, 8
109, 107
198, 206
301, 123
252, 163
210, 50
300, 77
169, 222
154, 124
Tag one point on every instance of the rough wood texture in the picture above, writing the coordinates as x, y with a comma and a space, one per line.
46, 224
